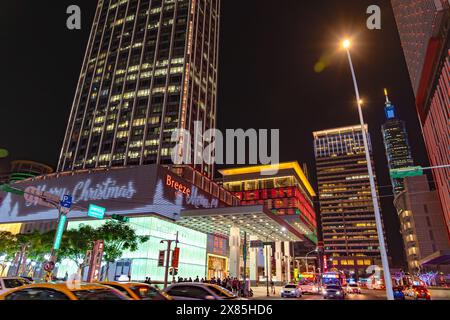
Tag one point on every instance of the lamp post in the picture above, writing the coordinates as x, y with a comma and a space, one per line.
384, 260
307, 268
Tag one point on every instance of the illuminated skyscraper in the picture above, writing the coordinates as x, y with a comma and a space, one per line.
151, 67
424, 28
346, 208
395, 136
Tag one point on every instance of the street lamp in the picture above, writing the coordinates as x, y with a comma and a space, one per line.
307, 269
346, 44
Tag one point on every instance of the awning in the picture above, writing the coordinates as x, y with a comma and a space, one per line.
255, 220
436, 258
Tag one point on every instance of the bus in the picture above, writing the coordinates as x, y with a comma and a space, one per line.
334, 278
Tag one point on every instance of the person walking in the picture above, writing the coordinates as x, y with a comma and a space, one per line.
197, 279
272, 286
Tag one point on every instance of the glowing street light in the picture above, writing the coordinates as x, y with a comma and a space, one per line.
346, 44
384, 259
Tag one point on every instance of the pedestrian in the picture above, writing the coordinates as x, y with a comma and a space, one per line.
190, 279
219, 282
196, 279
202, 281
234, 285
272, 286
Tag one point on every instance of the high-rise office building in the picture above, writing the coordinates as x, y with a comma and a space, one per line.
396, 143
422, 228
151, 67
346, 209
424, 28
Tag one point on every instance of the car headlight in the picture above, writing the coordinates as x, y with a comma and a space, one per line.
324, 291
338, 292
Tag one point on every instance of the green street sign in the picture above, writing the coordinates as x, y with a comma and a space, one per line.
59, 232
120, 218
96, 211
406, 172
8, 188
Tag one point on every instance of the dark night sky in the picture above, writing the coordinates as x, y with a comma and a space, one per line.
268, 52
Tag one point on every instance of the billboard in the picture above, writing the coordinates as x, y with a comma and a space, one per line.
142, 190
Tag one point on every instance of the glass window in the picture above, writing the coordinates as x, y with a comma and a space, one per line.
188, 292
98, 294
223, 293
37, 294
14, 283
147, 293
121, 289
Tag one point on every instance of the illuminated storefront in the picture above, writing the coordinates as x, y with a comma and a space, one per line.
217, 266
144, 261
285, 193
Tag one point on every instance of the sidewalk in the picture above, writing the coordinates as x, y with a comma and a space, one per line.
261, 291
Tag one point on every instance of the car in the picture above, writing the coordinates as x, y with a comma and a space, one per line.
333, 292
291, 290
418, 292
309, 288
9, 283
61, 291
398, 293
352, 288
199, 291
138, 290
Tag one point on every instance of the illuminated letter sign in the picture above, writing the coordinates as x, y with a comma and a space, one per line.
170, 182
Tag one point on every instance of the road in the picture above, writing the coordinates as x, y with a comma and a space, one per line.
260, 293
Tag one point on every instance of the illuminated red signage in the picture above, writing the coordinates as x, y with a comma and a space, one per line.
176, 257
178, 186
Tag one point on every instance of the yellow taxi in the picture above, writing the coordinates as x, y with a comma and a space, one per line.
64, 291
138, 290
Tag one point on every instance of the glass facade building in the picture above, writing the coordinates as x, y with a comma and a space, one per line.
151, 67
346, 209
424, 28
144, 261
396, 143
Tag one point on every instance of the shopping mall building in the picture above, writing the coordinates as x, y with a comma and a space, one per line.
163, 201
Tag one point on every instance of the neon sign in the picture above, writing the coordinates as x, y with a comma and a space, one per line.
170, 182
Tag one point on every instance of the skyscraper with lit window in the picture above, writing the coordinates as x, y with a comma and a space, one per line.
395, 137
346, 209
424, 29
151, 67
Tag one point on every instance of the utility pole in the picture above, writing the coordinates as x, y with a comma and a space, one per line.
373, 190
169, 244
176, 246
245, 263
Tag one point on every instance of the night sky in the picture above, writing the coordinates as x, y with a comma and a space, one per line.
267, 78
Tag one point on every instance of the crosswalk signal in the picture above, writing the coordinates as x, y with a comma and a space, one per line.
173, 271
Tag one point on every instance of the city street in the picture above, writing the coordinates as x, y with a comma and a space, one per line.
260, 293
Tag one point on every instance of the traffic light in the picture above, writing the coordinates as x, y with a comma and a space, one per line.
120, 218
173, 271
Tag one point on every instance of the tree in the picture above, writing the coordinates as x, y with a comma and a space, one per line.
118, 238
37, 244
8, 248
75, 243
